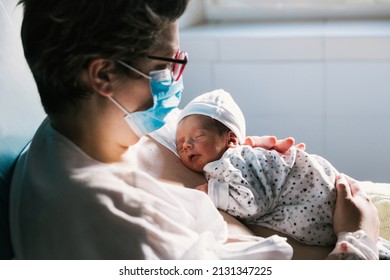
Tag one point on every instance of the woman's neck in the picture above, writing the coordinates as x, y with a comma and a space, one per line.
93, 137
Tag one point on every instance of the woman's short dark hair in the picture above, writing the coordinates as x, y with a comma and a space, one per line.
60, 37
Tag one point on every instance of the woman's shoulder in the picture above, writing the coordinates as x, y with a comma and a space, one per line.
166, 135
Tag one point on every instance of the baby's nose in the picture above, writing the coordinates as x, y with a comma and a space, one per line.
188, 144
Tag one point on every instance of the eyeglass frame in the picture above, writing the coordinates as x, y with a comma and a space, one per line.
167, 59
174, 60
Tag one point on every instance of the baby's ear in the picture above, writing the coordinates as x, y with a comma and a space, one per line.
232, 139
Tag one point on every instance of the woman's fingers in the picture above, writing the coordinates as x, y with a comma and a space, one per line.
354, 210
272, 143
282, 146
266, 142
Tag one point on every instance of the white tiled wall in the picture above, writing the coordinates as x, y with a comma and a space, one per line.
326, 84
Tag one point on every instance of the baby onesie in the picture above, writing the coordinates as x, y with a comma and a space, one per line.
293, 193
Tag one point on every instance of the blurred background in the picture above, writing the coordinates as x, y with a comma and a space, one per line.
317, 70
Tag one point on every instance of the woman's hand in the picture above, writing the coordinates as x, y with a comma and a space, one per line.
354, 210
272, 143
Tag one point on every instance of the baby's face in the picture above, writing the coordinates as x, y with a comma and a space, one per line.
199, 143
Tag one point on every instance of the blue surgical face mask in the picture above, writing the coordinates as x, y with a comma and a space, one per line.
166, 95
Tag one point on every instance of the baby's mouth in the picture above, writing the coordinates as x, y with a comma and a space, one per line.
191, 157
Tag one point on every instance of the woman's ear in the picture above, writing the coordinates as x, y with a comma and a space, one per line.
232, 139
99, 75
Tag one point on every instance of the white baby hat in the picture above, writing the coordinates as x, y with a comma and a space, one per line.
219, 105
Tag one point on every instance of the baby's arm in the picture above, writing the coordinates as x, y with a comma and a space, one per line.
220, 194
227, 197
234, 198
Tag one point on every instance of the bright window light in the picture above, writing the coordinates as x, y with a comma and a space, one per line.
249, 10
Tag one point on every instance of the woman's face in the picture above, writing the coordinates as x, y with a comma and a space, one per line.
134, 93
198, 142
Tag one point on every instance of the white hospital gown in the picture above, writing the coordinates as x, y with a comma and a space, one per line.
293, 193
66, 205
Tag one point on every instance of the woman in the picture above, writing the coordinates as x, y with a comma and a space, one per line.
108, 72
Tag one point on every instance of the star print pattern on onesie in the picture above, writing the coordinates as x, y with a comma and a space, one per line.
293, 193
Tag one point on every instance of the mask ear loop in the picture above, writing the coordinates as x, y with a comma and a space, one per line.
113, 100
134, 69
119, 105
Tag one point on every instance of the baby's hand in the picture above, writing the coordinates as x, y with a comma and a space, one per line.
203, 188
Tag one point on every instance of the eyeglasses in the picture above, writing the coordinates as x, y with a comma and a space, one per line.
178, 64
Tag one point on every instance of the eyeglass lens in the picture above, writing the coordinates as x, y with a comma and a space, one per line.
178, 67
178, 63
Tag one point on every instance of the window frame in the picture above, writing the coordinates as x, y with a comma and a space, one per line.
219, 11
